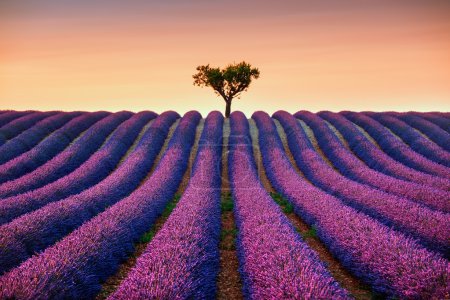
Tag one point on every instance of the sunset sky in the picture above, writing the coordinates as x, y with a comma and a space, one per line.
141, 55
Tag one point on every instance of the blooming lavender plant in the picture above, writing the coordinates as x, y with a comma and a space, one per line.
35, 231
18, 125
396, 148
32, 136
189, 238
8, 116
414, 139
390, 262
49, 147
75, 266
437, 120
376, 158
275, 262
68, 160
350, 166
96, 168
431, 130
431, 227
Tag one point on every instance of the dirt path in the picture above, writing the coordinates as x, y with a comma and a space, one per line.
257, 155
161, 151
312, 137
229, 284
193, 154
135, 143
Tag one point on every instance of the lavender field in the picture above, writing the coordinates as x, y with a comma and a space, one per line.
349, 205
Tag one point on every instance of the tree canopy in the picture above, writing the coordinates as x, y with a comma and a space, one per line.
229, 82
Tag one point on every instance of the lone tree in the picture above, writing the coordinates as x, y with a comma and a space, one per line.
229, 82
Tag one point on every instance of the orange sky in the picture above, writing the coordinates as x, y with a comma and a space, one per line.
136, 55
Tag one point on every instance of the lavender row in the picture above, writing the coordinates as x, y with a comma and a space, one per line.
75, 266
431, 227
350, 166
37, 230
396, 148
49, 147
95, 169
440, 121
14, 128
31, 137
376, 158
431, 130
390, 262
189, 237
275, 262
414, 139
9, 116
68, 160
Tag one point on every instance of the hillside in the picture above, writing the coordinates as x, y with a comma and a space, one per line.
161, 206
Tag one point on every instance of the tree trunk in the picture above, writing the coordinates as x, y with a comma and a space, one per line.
228, 109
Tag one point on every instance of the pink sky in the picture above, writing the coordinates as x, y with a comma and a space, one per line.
136, 55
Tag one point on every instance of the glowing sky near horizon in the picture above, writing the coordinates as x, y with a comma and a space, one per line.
140, 55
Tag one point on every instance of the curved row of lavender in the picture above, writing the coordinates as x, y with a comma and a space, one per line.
349, 165
375, 158
413, 138
436, 119
275, 263
431, 130
49, 147
396, 148
431, 227
26, 140
35, 231
182, 260
92, 171
18, 125
389, 261
8, 116
75, 266
68, 160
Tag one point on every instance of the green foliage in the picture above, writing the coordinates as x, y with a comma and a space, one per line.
280, 200
311, 233
226, 202
148, 236
229, 82
171, 206
233, 232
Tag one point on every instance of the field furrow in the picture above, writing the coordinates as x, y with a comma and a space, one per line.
143, 206
96, 168
189, 237
275, 262
396, 148
356, 288
350, 166
9, 116
113, 282
376, 158
68, 160
440, 121
431, 227
35, 231
390, 262
428, 128
90, 254
19, 125
48, 148
413, 139
32, 136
